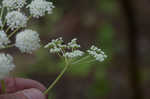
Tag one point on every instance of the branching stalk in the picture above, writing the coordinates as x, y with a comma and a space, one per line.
57, 79
9, 36
82, 59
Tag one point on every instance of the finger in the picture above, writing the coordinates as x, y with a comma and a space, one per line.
16, 84
25, 94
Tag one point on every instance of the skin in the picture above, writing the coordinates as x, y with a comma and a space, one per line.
20, 88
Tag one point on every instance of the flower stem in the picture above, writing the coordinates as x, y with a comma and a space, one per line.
2, 11
82, 59
91, 61
7, 29
3, 89
9, 36
3, 24
57, 79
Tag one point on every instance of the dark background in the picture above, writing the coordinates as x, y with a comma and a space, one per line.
119, 27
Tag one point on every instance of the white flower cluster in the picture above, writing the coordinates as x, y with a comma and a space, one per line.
27, 41
14, 4
56, 45
16, 19
39, 8
71, 50
73, 44
97, 53
6, 65
73, 54
67, 50
3, 39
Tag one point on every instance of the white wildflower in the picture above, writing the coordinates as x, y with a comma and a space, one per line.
97, 53
28, 41
14, 4
39, 8
16, 19
73, 44
3, 39
55, 50
56, 45
6, 65
74, 54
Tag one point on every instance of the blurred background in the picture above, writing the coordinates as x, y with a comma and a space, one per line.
119, 27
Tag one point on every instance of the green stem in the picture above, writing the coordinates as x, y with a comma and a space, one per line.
57, 79
82, 59
3, 24
1, 15
3, 86
7, 29
2, 11
9, 36
91, 61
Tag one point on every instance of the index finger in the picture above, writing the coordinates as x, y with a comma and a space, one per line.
17, 84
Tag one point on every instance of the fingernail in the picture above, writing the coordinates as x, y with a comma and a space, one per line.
33, 94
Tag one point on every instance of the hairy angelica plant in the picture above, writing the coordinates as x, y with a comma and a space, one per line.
72, 54
13, 23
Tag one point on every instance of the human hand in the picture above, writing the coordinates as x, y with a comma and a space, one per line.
19, 88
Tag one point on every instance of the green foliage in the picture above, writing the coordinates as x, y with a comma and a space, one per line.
107, 6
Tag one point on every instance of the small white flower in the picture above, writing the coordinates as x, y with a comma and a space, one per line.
28, 41
56, 45
74, 54
3, 39
73, 44
55, 50
97, 53
16, 19
39, 8
14, 4
6, 65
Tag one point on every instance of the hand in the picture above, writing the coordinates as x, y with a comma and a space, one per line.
19, 88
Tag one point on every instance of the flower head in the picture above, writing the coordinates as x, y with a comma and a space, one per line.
14, 4
73, 44
56, 45
16, 19
74, 54
67, 50
6, 65
28, 41
3, 39
39, 8
97, 53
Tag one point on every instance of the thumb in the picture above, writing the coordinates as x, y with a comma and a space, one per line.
25, 94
